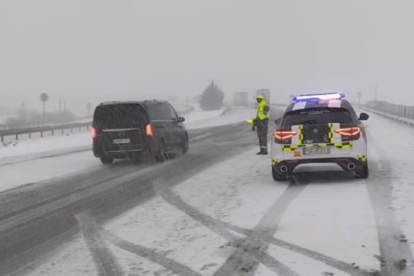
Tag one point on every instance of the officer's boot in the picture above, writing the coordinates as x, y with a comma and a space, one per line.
263, 151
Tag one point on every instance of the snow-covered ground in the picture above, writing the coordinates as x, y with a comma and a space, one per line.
391, 144
200, 227
328, 227
45, 168
35, 148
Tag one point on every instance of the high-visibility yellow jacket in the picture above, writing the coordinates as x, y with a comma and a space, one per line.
263, 111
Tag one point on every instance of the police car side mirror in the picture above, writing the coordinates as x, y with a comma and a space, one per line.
181, 119
278, 121
363, 116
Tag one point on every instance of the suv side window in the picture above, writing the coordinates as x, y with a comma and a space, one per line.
155, 112
166, 112
161, 111
173, 112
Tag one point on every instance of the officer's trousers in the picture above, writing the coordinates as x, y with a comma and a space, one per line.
262, 129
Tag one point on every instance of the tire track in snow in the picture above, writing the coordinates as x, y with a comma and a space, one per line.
266, 227
379, 188
105, 263
340, 265
252, 251
149, 254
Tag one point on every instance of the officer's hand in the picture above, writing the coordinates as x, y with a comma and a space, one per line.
254, 127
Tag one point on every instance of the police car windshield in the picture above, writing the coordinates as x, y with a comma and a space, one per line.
317, 116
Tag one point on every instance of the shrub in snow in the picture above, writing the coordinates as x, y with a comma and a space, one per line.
212, 98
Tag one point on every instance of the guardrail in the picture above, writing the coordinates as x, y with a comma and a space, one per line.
40, 124
56, 128
400, 119
390, 108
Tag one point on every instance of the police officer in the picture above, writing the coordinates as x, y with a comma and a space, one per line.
261, 123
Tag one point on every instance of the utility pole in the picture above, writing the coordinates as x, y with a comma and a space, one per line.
375, 93
60, 105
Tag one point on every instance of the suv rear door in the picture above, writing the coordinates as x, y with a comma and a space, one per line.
120, 127
162, 122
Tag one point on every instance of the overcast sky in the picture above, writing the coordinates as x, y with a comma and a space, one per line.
97, 50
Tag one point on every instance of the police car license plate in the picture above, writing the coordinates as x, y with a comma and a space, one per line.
122, 141
316, 150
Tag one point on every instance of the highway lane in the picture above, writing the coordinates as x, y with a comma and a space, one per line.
26, 196
37, 218
48, 188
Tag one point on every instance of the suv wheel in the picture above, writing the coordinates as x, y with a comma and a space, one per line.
160, 155
106, 160
278, 177
184, 145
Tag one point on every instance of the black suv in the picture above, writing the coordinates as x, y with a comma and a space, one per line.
149, 128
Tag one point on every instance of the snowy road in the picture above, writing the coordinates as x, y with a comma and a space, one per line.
217, 211
50, 157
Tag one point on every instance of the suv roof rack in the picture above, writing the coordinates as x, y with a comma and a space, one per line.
137, 102
155, 100
120, 102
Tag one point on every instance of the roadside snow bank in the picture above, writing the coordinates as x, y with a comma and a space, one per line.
54, 145
234, 115
397, 153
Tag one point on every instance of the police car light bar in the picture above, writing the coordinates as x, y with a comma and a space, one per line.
319, 96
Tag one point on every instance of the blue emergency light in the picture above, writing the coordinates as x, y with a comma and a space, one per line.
319, 97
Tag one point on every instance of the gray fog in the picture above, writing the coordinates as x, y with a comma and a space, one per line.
98, 50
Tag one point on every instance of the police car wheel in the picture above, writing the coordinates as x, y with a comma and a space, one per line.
364, 172
278, 177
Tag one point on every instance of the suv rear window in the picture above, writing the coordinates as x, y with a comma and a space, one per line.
119, 116
317, 116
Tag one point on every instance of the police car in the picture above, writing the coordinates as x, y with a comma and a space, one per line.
319, 133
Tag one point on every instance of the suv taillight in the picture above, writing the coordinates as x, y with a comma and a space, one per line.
148, 130
349, 134
283, 137
94, 133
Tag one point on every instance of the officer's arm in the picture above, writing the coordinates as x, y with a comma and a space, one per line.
266, 109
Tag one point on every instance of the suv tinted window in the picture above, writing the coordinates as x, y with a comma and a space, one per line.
155, 112
173, 113
119, 116
160, 111
317, 116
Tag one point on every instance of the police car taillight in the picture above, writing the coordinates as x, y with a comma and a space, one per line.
283, 137
348, 134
